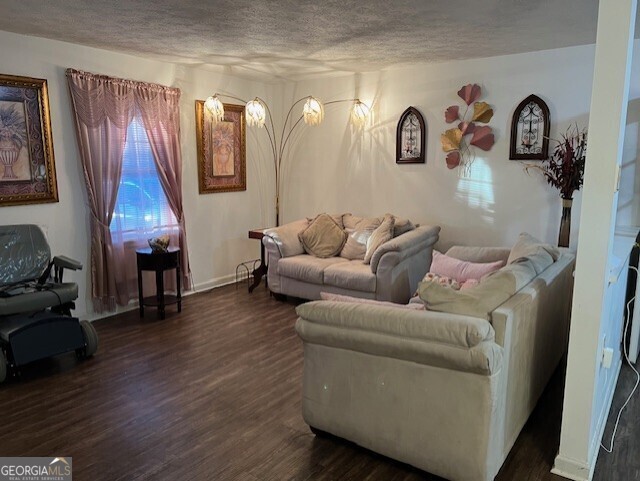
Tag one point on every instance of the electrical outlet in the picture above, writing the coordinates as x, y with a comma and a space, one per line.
607, 357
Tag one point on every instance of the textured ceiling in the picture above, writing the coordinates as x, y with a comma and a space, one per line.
287, 38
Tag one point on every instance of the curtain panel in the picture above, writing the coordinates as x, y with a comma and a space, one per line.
103, 108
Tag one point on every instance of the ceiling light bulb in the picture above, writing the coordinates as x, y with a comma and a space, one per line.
256, 113
215, 108
313, 111
359, 113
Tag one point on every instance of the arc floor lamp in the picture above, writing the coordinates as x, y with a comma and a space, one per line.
257, 111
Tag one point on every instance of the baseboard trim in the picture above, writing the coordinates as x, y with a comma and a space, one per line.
571, 469
197, 288
577, 470
594, 449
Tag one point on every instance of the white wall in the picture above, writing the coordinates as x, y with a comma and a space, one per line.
336, 168
217, 224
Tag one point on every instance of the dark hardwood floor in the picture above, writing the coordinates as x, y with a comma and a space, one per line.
213, 393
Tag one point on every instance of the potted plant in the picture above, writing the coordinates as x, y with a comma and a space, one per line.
13, 136
564, 170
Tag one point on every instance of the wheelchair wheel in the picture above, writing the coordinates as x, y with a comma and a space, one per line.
3, 367
90, 339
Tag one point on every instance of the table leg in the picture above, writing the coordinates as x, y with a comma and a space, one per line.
160, 292
178, 293
260, 271
140, 295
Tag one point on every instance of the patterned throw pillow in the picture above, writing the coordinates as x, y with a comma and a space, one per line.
323, 237
442, 280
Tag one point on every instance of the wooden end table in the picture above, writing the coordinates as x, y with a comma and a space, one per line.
159, 262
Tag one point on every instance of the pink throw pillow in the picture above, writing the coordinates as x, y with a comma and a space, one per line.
461, 271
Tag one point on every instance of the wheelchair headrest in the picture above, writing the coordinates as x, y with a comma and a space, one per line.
24, 253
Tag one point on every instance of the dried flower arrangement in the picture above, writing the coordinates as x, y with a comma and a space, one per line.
459, 151
565, 169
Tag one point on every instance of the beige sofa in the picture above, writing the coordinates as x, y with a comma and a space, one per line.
446, 393
393, 274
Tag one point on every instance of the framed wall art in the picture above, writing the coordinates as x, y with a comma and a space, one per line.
27, 165
530, 130
411, 136
222, 161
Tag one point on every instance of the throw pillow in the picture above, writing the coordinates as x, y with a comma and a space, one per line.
479, 301
402, 226
379, 236
327, 296
360, 223
335, 217
356, 245
323, 237
527, 245
461, 271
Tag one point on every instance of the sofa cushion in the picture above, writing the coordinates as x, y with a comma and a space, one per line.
527, 245
379, 236
323, 237
307, 268
354, 275
461, 271
356, 245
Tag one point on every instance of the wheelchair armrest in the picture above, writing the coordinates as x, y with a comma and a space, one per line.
64, 262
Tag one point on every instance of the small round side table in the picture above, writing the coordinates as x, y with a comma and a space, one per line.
147, 260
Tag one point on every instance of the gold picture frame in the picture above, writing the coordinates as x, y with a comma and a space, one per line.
222, 165
27, 164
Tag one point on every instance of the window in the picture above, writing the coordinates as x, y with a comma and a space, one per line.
142, 209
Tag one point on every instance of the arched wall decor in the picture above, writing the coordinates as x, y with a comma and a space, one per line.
530, 126
411, 138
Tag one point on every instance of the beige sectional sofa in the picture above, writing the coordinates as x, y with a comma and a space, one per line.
393, 274
447, 393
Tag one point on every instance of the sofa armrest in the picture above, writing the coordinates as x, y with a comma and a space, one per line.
442, 340
284, 239
406, 244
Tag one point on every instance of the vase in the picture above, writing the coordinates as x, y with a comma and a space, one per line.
8, 156
565, 223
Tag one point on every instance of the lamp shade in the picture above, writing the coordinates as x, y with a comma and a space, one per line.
359, 113
255, 112
313, 111
215, 108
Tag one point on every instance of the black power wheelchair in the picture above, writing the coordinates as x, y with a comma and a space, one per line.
35, 304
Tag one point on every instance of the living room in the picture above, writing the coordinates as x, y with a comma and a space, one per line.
332, 167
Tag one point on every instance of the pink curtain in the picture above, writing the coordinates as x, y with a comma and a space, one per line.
103, 109
160, 111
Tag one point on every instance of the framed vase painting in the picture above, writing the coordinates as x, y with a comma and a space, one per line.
222, 161
27, 166
411, 135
